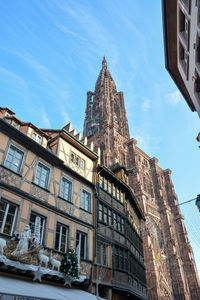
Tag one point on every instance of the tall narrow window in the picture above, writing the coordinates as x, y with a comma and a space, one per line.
81, 244
122, 225
114, 190
100, 212
14, 159
86, 201
116, 257
110, 217
66, 189
61, 238
105, 184
105, 214
101, 181
115, 220
109, 187
102, 256
8, 213
37, 226
42, 175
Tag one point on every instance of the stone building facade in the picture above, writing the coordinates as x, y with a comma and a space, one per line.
170, 267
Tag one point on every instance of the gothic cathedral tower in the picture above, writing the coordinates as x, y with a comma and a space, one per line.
170, 267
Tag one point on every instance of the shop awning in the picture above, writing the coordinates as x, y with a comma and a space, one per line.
16, 289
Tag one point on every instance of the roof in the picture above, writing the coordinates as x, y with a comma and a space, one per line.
169, 12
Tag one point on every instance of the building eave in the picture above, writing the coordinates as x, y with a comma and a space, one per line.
170, 47
126, 187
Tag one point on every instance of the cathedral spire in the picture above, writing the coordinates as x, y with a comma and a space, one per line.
105, 106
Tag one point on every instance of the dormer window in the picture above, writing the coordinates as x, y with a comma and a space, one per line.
77, 160
15, 124
36, 137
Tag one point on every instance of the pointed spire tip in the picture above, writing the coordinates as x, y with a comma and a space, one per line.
104, 62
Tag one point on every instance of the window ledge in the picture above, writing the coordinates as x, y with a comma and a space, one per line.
45, 189
70, 202
86, 260
89, 212
19, 174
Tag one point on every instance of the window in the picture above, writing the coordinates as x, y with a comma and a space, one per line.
109, 187
121, 258
36, 137
110, 217
105, 214
66, 189
114, 191
105, 184
37, 226
119, 223
15, 124
61, 238
102, 256
101, 181
184, 58
8, 213
122, 225
82, 164
115, 220
14, 159
42, 175
86, 201
100, 212
81, 244
77, 160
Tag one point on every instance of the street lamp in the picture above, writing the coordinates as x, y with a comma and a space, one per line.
198, 201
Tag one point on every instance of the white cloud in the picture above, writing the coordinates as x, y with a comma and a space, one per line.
45, 120
66, 118
146, 104
173, 98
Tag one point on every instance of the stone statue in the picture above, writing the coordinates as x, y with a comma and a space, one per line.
22, 246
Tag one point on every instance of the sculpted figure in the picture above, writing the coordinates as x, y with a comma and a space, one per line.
22, 246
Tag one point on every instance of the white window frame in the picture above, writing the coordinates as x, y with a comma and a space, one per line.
37, 137
66, 180
20, 151
48, 176
5, 217
83, 201
43, 224
60, 236
81, 235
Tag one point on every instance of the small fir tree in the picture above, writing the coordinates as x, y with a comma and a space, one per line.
69, 264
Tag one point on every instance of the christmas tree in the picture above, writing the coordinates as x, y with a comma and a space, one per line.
69, 264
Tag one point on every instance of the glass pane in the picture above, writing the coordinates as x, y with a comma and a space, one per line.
8, 224
82, 246
57, 241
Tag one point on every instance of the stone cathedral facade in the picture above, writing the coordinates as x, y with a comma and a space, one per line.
170, 267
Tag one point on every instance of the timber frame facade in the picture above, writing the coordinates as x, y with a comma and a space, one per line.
49, 176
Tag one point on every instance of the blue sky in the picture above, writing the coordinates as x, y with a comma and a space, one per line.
50, 56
